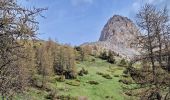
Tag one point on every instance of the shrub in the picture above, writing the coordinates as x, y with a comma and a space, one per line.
107, 76
123, 62
82, 72
86, 72
116, 75
99, 73
51, 95
93, 82
103, 55
37, 81
60, 78
93, 60
70, 75
125, 75
66, 97
38, 84
73, 83
126, 81
125, 71
50, 87
107, 97
111, 58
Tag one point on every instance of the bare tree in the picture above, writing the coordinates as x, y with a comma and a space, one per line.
16, 24
154, 41
145, 22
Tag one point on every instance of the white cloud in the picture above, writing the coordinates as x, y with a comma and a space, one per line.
135, 6
80, 2
138, 3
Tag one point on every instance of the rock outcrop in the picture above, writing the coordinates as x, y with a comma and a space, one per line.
117, 35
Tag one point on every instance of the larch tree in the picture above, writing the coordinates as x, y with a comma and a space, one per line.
153, 42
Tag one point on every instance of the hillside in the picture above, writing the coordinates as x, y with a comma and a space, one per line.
105, 89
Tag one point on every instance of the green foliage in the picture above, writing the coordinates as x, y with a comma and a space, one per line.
37, 81
93, 60
66, 97
81, 53
60, 78
83, 72
108, 56
106, 87
99, 73
126, 81
116, 75
123, 62
125, 71
93, 82
111, 58
73, 83
103, 55
107, 76
65, 62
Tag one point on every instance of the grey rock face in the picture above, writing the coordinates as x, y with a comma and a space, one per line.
118, 35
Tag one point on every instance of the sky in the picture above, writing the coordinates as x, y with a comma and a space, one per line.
78, 21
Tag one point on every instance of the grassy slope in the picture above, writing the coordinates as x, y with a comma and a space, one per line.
110, 88
106, 87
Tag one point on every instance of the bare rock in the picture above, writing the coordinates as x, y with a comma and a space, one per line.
117, 35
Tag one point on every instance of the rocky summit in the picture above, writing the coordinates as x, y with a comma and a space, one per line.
117, 35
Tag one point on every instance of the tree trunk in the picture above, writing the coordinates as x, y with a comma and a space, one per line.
168, 63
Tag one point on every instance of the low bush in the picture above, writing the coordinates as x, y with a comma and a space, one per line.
60, 78
125, 75
103, 55
116, 75
99, 73
123, 62
123, 81
125, 71
49, 87
73, 83
126, 81
93, 82
51, 95
111, 58
107, 76
37, 81
107, 97
83, 72
93, 60
66, 97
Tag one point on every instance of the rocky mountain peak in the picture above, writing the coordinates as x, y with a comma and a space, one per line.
118, 35
119, 30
